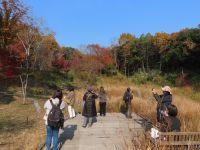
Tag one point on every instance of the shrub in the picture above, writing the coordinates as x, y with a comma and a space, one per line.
89, 78
119, 77
109, 70
56, 79
140, 77
34, 91
155, 76
195, 81
37, 91
170, 78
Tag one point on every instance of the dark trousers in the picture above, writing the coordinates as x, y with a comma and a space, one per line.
128, 109
159, 115
102, 108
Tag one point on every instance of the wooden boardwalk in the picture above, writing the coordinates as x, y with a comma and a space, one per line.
113, 132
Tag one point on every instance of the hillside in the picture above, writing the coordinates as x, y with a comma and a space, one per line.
19, 121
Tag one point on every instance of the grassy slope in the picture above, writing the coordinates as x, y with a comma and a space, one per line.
16, 133
21, 127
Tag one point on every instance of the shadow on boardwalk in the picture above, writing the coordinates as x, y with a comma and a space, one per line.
67, 134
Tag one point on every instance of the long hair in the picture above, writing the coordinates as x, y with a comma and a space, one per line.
58, 94
102, 91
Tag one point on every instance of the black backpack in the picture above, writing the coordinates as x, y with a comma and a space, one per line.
127, 97
56, 117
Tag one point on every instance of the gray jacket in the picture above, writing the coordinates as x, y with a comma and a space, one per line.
102, 97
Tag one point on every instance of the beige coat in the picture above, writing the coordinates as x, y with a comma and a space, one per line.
69, 98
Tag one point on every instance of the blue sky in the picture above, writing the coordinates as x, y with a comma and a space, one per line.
82, 22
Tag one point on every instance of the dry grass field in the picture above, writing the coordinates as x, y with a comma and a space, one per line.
186, 100
22, 128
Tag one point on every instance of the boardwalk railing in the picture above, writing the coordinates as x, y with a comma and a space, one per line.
178, 140
172, 140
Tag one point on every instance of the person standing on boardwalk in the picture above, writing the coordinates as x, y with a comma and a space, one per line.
54, 118
102, 101
89, 108
128, 96
70, 98
163, 101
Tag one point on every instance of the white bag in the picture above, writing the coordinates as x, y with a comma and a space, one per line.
154, 133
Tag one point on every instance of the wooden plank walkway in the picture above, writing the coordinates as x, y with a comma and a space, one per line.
113, 132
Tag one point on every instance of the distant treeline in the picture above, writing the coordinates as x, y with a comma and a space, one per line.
166, 52
26, 48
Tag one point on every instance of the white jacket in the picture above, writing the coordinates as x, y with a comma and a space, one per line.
48, 106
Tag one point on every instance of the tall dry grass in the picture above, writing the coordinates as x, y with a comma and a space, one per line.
19, 135
143, 102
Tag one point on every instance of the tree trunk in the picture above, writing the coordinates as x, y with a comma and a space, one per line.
125, 66
143, 68
160, 67
147, 60
24, 83
115, 57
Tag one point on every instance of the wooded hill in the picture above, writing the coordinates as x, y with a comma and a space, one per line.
26, 49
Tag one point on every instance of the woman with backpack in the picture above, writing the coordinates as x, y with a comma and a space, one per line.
128, 96
54, 118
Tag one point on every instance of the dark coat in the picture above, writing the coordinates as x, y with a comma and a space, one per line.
89, 108
170, 124
127, 97
163, 100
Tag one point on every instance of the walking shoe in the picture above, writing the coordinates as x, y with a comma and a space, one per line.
89, 125
84, 126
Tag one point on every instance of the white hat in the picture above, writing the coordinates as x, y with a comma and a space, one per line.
167, 89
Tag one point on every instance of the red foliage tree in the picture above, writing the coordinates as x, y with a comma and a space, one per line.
102, 54
10, 60
61, 63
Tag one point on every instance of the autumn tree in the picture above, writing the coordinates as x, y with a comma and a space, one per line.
47, 53
183, 50
148, 54
161, 41
30, 38
102, 54
12, 15
125, 38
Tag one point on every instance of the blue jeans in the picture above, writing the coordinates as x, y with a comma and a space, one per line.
52, 133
